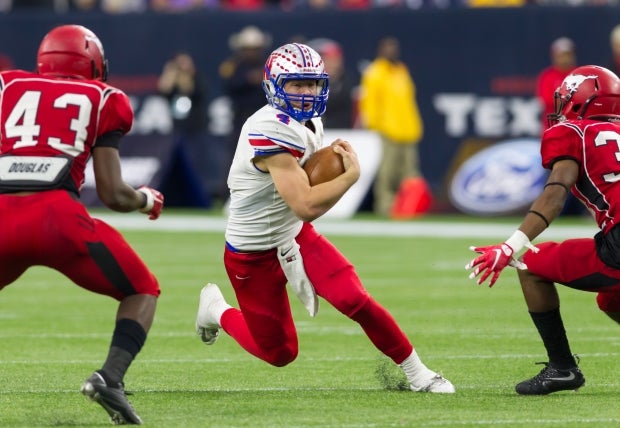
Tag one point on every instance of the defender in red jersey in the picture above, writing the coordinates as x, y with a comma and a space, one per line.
582, 150
51, 123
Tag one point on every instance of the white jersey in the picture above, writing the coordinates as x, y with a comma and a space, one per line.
259, 219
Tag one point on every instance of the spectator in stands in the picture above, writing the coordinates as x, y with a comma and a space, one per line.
319, 4
563, 60
123, 6
614, 44
242, 74
57, 6
85, 5
248, 4
185, 89
329, 4
388, 106
496, 3
182, 5
339, 113
353, 4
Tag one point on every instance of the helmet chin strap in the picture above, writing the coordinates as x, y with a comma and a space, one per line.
93, 69
103, 76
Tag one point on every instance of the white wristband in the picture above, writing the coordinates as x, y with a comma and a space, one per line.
150, 201
518, 240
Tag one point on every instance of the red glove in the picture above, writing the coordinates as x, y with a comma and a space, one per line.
154, 202
493, 260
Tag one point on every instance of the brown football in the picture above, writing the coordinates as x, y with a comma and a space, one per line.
324, 165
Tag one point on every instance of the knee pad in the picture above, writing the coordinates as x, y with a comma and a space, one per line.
282, 356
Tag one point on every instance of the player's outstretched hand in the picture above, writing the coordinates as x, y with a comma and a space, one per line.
154, 202
492, 260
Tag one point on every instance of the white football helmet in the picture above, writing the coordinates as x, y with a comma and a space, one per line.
295, 61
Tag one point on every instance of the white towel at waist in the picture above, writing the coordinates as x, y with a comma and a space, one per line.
293, 266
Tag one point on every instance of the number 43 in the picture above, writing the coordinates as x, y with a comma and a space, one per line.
21, 122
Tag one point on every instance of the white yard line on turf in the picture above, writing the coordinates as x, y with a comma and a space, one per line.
351, 227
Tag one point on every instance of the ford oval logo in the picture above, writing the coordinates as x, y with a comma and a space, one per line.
500, 179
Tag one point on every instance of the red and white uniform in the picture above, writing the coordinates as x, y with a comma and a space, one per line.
259, 222
48, 128
591, 264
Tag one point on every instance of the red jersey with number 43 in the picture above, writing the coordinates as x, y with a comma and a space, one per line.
49, 126
595, 146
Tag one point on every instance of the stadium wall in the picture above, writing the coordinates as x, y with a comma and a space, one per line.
475, 69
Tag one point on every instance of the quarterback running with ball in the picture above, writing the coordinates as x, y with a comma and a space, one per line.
270, 240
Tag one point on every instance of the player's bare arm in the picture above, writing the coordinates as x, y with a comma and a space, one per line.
111, 189
310, 202
543, 211
551, 201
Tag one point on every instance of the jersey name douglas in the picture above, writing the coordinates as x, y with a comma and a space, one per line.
595, 146
49, 126
259, 219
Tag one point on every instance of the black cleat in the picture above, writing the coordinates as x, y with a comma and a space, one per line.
551, 380
112, 399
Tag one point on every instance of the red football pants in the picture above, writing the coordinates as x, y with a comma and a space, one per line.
52, 229
576, 264
263, 325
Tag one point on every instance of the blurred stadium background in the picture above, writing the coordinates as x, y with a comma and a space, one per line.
475, 69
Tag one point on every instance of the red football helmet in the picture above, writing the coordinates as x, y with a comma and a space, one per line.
589, 92
72, 51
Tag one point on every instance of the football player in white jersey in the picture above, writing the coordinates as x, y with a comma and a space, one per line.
270, 240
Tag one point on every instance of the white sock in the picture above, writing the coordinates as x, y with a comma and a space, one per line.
219, 309
415, 370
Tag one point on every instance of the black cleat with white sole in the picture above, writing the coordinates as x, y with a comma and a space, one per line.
551, 380
112, 399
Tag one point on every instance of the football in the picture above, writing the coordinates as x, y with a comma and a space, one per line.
324, 165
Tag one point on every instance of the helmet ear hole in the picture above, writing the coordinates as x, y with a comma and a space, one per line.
93, 70
576, 107
105, 71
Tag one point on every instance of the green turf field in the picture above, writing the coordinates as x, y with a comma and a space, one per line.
53, 335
